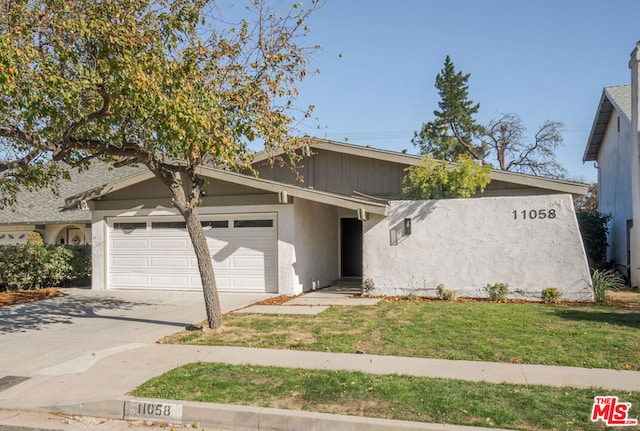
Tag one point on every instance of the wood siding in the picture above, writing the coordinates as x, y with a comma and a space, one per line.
341, 173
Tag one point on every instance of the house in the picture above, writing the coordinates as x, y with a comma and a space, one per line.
613, 145
609, 145
45, 211
273, 233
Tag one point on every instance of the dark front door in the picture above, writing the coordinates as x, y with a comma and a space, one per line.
351, 247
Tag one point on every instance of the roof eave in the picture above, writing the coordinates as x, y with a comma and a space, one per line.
377, 207
598, 129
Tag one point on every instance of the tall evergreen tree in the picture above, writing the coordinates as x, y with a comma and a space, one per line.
451, 134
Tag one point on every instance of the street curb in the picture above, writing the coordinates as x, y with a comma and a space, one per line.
249, 418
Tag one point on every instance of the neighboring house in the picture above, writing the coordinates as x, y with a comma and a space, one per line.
613, 144
45, 211
609, 145
348, 219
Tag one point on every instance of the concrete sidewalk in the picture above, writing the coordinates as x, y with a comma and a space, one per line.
100, 390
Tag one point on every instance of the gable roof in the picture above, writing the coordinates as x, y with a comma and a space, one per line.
616, 97
413, 160
45, 207
371, 205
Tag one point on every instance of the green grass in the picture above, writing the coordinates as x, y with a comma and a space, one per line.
582, 336
385, 396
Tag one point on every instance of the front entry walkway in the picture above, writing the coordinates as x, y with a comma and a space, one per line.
345, 292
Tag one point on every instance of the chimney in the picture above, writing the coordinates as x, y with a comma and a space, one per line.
634, 65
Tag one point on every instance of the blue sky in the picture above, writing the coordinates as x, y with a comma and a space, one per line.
543, 59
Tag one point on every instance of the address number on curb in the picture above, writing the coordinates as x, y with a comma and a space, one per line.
145, 409
534, 214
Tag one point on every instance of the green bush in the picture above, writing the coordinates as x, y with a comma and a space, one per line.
601, 281
551, 294
445, 294
497, 292
594, 227
80, 274
32, 266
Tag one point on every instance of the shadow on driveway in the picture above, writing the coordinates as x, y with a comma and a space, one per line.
62, 310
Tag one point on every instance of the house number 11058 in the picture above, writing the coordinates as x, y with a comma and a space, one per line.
533, 214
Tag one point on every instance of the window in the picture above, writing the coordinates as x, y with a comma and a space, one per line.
253, 223
215, 224
169, 225
129, 226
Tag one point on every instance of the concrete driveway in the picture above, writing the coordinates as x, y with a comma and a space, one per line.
71, 334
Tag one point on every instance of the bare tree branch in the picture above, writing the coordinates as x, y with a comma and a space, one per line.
506, 137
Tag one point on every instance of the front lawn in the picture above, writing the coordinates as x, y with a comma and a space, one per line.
385, 396
583, 336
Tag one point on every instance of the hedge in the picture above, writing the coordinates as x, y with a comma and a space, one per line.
36, 266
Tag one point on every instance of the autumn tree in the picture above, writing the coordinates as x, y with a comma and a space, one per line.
588, 202
453, 133
168, 84
508, 143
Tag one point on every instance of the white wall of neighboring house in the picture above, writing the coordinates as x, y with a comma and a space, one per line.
614, 179
74, 234
634, 65
15, 234
530, 243
51, 234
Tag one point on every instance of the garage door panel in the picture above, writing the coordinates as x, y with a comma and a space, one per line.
246, 282
121, 243
157, 255
129, 262
175, 262
248, 263
170, 243
169, 282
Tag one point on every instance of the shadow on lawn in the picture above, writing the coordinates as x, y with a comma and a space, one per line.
626, 318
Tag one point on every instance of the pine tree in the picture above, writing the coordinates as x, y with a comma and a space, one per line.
451, 134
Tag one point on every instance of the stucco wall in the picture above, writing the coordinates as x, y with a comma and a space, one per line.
614, 160
468, 243
16, 234
316, 245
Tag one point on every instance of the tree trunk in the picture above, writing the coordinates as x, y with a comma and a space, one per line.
503, 146
187, 207
205, 266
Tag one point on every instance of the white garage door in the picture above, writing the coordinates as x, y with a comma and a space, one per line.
156, 253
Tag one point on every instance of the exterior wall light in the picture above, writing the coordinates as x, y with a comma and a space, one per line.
407, 226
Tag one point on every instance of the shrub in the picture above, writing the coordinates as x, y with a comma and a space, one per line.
497, 292
594, 227
35, 238
445, 294
80, 274
367, 286
32, 266
551, 294
601, 281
